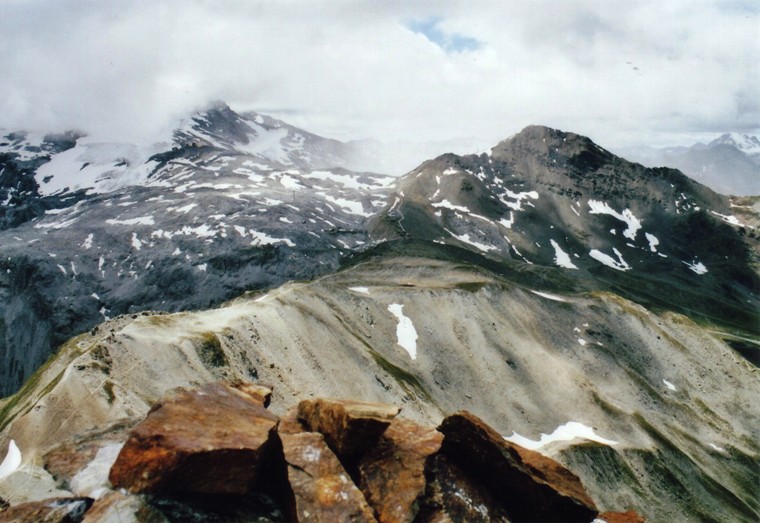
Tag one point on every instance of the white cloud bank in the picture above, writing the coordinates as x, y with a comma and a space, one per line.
624, 73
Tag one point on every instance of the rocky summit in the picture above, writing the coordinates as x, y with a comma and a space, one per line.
215, 453
568, 335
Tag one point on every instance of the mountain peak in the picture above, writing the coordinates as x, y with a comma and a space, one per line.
747, 143
553, 147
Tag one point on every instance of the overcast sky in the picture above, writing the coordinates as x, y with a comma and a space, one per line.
657, 72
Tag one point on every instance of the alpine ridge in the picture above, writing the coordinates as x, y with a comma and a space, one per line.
599, 312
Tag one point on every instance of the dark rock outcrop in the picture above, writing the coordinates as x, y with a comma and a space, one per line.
454, 495
349, 427
530, 486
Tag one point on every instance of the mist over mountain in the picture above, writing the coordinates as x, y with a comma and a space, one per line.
729, 164
541, 284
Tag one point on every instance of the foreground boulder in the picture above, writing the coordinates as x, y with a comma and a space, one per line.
216, 454
215, 439
530, 486
454, 495
349, 427
322, 489
392, 472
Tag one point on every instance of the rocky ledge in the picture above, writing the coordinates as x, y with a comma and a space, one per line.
216, 453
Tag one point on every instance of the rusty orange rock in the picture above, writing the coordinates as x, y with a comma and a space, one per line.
322, 490
215, 439
629, 516
392, 473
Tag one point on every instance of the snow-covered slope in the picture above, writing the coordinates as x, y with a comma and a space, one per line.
96, 167
236, 203
746, 143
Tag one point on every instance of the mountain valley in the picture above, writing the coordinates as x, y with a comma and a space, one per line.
600, 312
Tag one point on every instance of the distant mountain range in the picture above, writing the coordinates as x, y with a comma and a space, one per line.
541, 283
730, 164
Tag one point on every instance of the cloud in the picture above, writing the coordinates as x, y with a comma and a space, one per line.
394, 70
449, 42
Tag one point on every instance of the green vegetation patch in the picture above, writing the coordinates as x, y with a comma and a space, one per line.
408, 381
70, 350
210, 351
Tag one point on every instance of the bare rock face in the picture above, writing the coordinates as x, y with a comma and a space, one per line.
216, 439
349, 427
392, 473
116, 507
322, 490
528, 485
453, 495
56, 510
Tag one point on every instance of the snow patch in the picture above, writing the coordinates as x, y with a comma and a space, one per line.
88, 241
405, 331
519, 197
349, 206
561, 258
184, 210
56, 225
362, 290
136, 243
92, 481
605, 259
448, 205
12, 460
508, 223
567, 432
697, 267
653, 241
260, 238
466, 239
634, 224
548, 296
733, 220
142, 220
669, 385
